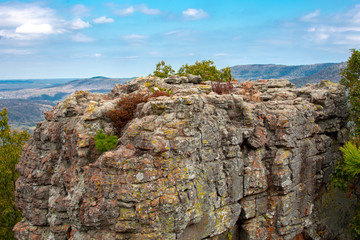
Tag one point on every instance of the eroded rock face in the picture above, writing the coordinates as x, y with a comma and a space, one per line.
196, 165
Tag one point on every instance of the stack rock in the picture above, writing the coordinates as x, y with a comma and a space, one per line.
251, 164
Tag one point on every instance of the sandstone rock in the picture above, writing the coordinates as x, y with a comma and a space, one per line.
196, 79
176, 80
195, 165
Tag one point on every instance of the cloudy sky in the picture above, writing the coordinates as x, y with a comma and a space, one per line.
73, 39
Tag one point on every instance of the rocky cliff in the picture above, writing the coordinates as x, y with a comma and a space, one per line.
196, 165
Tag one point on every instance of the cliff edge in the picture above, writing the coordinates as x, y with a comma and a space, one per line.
250, 164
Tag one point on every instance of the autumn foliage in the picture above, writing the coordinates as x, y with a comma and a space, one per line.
126, 106
222, 88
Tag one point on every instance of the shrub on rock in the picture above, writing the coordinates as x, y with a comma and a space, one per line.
104, 142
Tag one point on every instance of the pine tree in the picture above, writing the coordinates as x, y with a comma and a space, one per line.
347, 169
11, 143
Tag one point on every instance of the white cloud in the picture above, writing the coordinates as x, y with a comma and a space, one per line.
311, 16
82, 38
135, 39
103, 19
78, 24
16, 51
351, 16
194, 14
12, 34
220, 54
22, 21
145, 10
183, 34
142, 8
342, 28
35, 28
97, 55
127, 11
80, 10
179, 33
18, 14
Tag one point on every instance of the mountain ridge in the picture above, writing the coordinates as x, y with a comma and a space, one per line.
300, 75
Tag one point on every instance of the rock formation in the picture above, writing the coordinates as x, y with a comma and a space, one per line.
195, 165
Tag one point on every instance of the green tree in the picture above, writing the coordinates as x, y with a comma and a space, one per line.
207, 71
347, 169
11, 143
163, 70
350, 78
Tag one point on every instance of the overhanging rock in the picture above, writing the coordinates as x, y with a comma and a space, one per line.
196, 165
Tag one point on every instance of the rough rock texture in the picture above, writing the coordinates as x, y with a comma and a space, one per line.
196, 165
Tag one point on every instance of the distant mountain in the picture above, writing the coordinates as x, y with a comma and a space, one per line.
300, 75
27, 104
57, 92
329, 73
24, 114
17, 84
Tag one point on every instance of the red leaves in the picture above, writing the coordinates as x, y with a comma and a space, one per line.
126, 106
221, 88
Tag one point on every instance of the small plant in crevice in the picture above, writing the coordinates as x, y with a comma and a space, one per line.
221, 88
125, 109
229, 235
156, 94
126, 106
104, 142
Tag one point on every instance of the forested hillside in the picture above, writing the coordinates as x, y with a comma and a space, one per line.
299, 75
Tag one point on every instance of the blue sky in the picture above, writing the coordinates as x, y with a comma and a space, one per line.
75, 39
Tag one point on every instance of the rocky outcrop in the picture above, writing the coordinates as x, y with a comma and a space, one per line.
195, 165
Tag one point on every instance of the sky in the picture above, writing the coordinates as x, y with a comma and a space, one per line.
80, 39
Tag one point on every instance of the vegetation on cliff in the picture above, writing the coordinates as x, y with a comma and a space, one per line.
205, 69
126, 106
347, 170
104, 142
11, 143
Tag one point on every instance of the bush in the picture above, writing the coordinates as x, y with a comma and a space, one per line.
207, 71
104, 142
124, 110
163, 70
221, 88
126, 106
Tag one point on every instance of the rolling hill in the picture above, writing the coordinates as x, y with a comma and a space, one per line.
57, 92
300, 75
24, 114
27, 102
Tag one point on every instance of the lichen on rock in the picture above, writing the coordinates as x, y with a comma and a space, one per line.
195, 165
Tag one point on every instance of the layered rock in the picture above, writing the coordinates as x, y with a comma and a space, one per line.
195, 165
